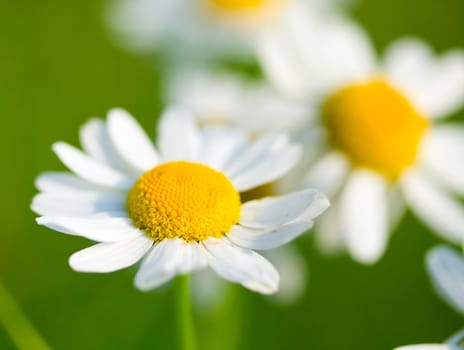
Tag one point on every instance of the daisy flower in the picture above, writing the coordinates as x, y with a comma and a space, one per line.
200, 28
446, 270
177, 205
381, 144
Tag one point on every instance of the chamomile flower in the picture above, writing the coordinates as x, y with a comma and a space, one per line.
446, 270
200, 28
177, 205
381, 142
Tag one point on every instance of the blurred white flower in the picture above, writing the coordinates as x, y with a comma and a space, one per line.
223, 99
177, 204
379, 141
446, 270
200, 28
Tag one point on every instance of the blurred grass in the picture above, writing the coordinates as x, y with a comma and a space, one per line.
58, 68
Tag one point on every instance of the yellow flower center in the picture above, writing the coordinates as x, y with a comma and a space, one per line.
186, 200
239, 5
375, 126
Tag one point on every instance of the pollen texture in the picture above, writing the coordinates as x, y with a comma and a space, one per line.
186, 200
375, 126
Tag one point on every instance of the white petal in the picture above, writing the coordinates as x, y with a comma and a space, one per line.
167, 259
436, 84
329, 232
142, 25
96, 142
192, 258
267, 239
210, 96
158, 267
406, 61
178, 136
77, 204
96, 228
208, 291
269, 142
268, 169
287, 54
219, 145
282, 67
63, 182
109, 257
364, 217
435, 207
443, 154
243, 266
424, 347
328, 173
396, 207
131, 141
334, 38
261, 109
224, 99
91, 169
313, 142
293, 272
269, 158
455, 341
277, 211
446, 269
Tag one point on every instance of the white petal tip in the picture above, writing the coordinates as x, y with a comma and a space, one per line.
323, 200
118, 112
58, 146
118, 116
263, 289
90, 122
78, 265
370, 256
144, 287
270, 290
367, 258
436, 253
75, 264
41, 221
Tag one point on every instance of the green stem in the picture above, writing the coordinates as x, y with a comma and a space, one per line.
185, 315
228, 315
18, 327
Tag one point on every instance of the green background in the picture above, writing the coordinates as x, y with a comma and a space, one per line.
57, 69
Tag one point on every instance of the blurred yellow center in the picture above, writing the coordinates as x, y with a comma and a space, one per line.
186, 200
239, 5
375, 126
